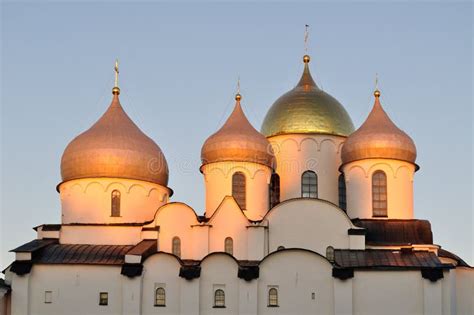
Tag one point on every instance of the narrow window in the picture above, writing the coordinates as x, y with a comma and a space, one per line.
176, 246
238, 189
115, 208
379, 194
48, 297
219, 298
103, 298
342, 192
272, 297
160, 297
330, 253
309, 185
229, 245
274, 190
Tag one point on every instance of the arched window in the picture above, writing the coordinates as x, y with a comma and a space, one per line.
330, 253
274, 190
160, 297
229, 245
272, 297
238, 189
219, 298
379, 194
309, 185
115, 203
342, 192
176, 246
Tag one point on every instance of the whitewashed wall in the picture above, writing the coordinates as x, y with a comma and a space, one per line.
358, 176
88, 200
388, 292
297, 153
296, 274
75, 289
303, 223
218, 184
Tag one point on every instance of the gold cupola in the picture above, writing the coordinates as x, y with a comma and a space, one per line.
237, 141
378, 137
306, 109
114, 147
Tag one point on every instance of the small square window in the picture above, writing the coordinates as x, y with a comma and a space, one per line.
104, 298
48, 297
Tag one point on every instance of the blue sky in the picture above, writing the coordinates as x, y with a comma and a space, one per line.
179, 65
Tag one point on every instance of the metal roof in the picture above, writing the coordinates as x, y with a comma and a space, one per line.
381, 258
396, 231
83, 254
33, 246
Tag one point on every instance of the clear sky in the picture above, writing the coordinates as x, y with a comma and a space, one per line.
179, 65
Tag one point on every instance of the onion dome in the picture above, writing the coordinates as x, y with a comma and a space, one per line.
114, 147
307, 109
378, 137
237, 141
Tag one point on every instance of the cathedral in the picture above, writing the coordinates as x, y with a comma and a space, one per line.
306, 216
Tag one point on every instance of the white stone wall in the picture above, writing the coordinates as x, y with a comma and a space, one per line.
89, 200
298, 223
297, 153
464, 290
303, 279
303, 223
100, 235
358, 176
75, 290
297, 275
388, 292
161, 271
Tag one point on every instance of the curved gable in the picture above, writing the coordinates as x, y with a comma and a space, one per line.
176, 220
308, 223
229, 221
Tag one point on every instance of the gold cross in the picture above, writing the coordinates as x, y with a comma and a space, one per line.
116, 68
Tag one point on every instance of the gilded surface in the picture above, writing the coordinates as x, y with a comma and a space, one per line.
237, 141
114, 147
307, 109
378, 137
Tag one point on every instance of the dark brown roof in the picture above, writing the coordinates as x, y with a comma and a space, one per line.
382, 258
33, 246
48, 227
83, 254
448, 254
145, 248
396, 232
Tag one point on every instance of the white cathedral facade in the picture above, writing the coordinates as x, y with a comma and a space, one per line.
308, 216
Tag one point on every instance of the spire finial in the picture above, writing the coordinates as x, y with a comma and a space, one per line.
377, 92
306, 35
238, 97
306, 57
116, 89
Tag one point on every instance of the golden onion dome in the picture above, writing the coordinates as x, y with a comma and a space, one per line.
114, 147
378, 137
307, 109
237, 141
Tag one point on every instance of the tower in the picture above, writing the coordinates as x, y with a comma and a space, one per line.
112, 172
237, 161
379, 166
306, 128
